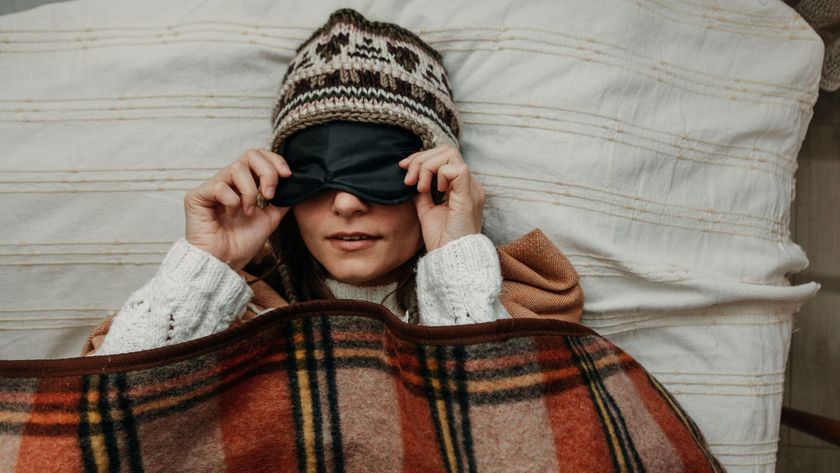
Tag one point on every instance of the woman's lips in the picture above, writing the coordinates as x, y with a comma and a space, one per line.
353, 245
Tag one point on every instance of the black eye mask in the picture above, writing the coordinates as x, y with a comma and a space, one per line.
358, 157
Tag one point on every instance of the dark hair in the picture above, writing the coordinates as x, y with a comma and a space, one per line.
287, 265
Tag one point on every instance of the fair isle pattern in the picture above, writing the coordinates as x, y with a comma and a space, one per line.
343, 385
355, 69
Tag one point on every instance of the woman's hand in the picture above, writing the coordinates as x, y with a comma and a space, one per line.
461, 213
222, 213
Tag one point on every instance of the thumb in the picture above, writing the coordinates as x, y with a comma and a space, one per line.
423, 201
275, 214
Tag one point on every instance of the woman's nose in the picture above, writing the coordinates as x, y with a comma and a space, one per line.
346, 204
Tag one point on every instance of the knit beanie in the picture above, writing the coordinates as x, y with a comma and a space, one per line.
368, 71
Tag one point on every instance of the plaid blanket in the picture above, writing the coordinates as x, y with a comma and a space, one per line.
343, 385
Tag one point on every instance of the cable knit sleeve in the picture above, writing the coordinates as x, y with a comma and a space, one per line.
460, 282
193, 294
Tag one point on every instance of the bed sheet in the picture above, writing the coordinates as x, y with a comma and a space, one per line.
654, 142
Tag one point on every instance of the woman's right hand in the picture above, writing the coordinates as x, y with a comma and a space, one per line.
222, 215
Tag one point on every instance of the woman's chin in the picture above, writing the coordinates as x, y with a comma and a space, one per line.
346, 274
357, 278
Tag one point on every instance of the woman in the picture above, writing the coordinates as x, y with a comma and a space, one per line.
360, 89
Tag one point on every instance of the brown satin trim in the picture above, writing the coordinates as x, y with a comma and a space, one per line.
499, 330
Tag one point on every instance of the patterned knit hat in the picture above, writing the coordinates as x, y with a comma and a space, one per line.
368, 71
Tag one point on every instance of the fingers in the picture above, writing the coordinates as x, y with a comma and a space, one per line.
267, 166
424, 165
435, 157
423, 202
459, 175
427, 170
235, 185
213, 193
244, 181
210, 194
273, 165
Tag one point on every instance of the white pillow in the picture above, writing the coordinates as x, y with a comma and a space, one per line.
654, 142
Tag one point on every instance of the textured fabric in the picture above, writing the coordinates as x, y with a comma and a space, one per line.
824, 17
655, 142
194, 294
368, 293
539, 281
344, 386
542, 274
352, 68
463, 282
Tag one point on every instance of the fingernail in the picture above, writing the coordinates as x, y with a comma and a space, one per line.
269, 192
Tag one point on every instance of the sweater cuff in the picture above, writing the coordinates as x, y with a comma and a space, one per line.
198, 269
460, 282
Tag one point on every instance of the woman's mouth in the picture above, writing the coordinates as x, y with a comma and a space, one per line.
353, 242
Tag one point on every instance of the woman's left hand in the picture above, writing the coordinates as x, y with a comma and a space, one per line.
461, 213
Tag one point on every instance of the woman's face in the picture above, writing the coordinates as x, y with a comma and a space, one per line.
395, 230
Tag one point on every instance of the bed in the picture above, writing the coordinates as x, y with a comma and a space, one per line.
654, 142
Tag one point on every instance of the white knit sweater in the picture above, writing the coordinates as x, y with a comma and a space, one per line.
194, 294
